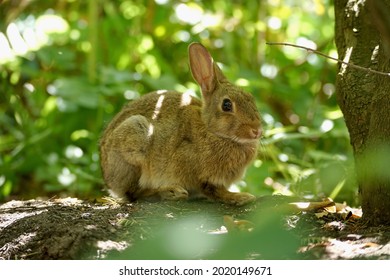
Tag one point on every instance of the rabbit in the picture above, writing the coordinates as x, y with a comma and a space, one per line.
171, 146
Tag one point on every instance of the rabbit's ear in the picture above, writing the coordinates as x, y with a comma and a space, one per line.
202, 68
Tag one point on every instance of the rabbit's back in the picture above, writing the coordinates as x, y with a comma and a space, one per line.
155, 106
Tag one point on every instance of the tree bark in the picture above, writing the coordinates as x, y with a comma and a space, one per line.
362, 35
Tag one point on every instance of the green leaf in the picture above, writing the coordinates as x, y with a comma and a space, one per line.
76, 91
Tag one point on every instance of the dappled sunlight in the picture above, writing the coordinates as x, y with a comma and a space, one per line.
329, 89
374, 54
159, 104
73, 152
150, 130
277, 187
283, 157
156, 111
327, 125
6, 53
346, 59
186, 99
161, 91
20, 242
274, 23
305, 42
131, 94
11, 218
200, 19
269, 71
104, 247
29, 35
241, 82
190, 13
66, 177
17, 43
51, 24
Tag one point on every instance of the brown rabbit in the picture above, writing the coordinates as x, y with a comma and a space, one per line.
170, 146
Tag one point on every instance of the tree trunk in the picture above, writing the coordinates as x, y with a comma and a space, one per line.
362, 36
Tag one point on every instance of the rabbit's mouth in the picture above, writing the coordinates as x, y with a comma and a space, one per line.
237, 139
247, 140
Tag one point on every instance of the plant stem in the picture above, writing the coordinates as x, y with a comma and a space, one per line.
93, 8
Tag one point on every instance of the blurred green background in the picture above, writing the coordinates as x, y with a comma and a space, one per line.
67, 66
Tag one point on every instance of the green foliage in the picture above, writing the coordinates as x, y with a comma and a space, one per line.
71, 66
185, 238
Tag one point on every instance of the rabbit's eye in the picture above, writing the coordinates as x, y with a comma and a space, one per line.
227, 105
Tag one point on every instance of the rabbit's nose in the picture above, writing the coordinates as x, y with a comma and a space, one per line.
256, 133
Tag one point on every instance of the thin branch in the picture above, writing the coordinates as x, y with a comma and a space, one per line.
330, 57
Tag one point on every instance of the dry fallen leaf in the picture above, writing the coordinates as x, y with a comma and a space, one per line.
328, 206
307, 206
321, 214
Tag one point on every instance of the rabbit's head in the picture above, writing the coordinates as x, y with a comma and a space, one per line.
228, 111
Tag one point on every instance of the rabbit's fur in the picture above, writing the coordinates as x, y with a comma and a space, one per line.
170, 146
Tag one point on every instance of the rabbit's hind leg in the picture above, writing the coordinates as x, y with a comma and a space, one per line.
172, 193
131, 138
124, 181
124, 153
220, 193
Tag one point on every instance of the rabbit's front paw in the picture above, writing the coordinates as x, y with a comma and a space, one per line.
173, 193
239, 198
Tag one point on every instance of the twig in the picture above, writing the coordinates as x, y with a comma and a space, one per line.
330, 57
